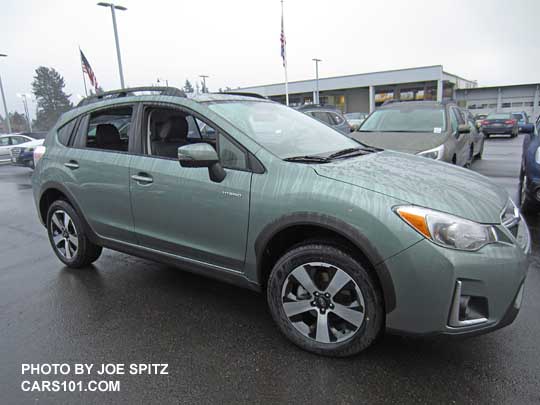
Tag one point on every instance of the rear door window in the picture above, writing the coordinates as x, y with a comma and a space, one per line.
4, 141
16, 140
109, 129
337, 120
322, 116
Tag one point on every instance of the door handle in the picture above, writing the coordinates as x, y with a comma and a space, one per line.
72, 164
142, 178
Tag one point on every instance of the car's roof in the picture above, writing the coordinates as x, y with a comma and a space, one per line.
402, 105
317, 107
160, 94
210, 97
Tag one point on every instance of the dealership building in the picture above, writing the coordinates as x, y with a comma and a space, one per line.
366, 91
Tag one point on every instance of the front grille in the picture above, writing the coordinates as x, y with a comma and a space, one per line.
15, 152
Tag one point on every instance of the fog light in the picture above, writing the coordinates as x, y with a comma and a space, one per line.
467, 310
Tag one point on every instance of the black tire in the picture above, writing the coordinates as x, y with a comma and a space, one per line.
480, 154
86, 252
328, 253
527, 205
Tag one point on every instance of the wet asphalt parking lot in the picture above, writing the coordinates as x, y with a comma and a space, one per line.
219, 340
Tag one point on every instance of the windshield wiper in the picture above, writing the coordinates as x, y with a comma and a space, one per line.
308, 159
354, 152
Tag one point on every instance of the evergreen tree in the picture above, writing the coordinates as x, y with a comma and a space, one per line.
18, 122
48, 88
188, 88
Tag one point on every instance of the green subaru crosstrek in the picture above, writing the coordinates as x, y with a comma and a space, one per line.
345, 240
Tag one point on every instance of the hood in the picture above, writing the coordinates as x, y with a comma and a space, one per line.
408, 142
424, 182
30, 144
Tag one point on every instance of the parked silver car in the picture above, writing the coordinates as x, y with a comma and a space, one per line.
425, 128
356, 119
328, 115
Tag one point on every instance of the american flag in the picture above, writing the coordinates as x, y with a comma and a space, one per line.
88, 70
283, 40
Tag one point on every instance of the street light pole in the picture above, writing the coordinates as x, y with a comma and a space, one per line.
26, 111
114, 7
4, 101
317, 79
204, 82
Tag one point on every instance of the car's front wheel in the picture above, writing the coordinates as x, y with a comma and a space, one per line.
68, 238
324, 300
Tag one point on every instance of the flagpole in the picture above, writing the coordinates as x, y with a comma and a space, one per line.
83, 78
285, 58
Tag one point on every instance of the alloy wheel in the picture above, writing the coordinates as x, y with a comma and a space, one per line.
323, 302
64, 234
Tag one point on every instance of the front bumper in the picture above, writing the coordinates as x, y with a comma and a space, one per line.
23, 159
426, 277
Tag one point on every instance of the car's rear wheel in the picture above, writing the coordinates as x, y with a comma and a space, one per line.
67, 236
325, 301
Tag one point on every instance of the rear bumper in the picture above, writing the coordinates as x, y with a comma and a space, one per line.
498, 129
426, 277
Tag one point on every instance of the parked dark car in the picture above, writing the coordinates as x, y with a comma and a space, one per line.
500, 123
522, 119
529, 176
328, 115
426, 128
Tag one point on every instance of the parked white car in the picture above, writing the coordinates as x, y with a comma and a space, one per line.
9, 141
23, 154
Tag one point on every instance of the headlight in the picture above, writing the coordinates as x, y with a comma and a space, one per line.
447, 230
537, 155
435, 153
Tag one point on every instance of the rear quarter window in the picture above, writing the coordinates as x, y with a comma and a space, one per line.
65, 131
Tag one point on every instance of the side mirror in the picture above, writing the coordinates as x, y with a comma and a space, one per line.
202, 155
464, 129
527, 128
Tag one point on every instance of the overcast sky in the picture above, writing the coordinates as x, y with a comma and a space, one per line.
236, 42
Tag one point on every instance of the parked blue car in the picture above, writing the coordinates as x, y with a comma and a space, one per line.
529, 177
522, 119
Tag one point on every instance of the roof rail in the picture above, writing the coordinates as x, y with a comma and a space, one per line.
246, 94
163, 91
444, 102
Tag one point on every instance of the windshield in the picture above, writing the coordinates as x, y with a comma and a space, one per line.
406, 120
283, 131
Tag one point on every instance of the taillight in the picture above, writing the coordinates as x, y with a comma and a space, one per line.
512, 122
485, 122
38, 153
